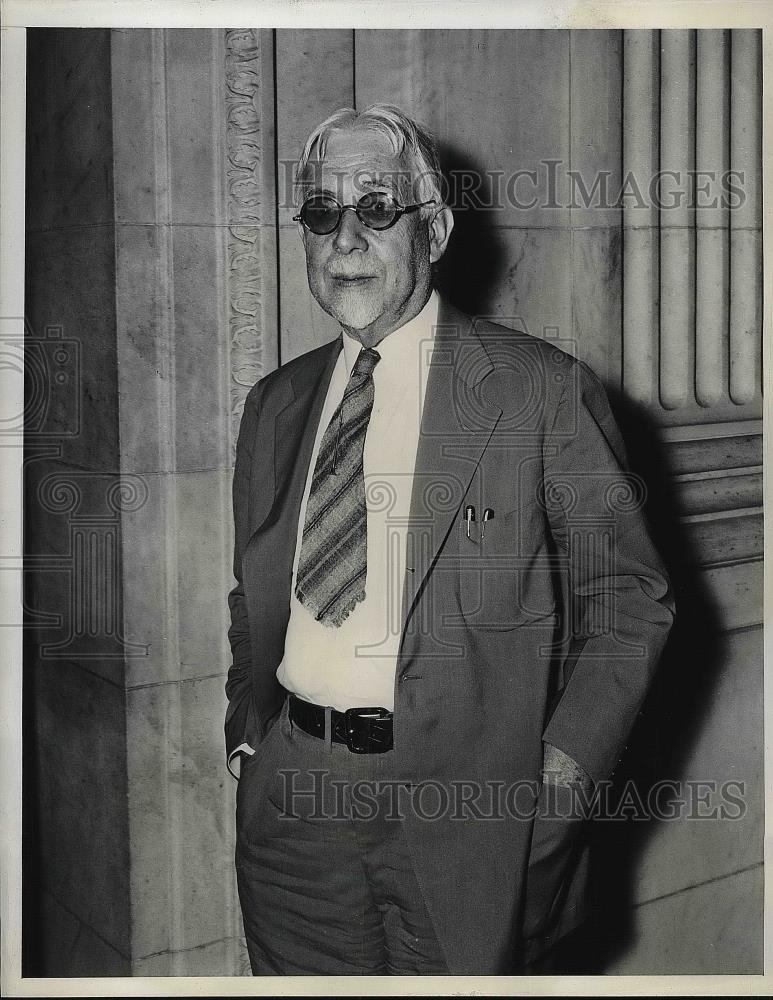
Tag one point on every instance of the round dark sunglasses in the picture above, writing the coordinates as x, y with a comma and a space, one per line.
322, 214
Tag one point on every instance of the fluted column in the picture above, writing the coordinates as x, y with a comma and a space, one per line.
641, 273
677, 238
692, 321
711, 218
745, 232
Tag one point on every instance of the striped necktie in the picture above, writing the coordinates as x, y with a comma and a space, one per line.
333, 563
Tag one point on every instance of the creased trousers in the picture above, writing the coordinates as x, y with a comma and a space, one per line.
325, 877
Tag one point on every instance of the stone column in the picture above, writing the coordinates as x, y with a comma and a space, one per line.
693, 270
196, 311
691, 338
76, 825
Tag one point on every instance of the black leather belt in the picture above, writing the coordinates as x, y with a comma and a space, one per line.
363, 730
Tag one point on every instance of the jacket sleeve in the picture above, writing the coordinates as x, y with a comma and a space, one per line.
621, 603
240, 720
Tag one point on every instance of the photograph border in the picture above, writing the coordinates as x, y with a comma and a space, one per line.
19, 14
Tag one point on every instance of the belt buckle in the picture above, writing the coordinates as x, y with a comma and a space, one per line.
360, 732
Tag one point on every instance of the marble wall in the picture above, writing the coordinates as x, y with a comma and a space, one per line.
185, 276
76, 902
188, 294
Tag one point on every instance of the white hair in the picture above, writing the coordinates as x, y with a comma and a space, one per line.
409, 139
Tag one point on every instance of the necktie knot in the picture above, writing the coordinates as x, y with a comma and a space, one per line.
366, 361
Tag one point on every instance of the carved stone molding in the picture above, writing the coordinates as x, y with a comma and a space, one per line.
716, 481
244, 152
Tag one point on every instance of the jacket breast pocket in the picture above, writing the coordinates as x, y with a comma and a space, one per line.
506, 574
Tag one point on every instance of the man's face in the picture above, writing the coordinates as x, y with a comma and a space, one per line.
370, 281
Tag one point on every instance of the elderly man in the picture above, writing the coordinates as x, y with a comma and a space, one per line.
447, 609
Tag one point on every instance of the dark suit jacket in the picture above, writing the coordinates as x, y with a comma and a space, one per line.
549, 628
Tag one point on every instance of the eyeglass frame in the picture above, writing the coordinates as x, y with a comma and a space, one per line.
400, 211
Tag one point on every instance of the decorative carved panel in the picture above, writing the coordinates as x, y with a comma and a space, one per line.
250, 213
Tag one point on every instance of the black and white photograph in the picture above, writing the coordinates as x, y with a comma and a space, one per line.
388, 592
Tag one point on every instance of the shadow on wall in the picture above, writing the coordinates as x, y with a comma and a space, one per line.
475, 260
684, 685
683, 690
668, 723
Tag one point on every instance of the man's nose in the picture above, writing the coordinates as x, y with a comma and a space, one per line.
350, 234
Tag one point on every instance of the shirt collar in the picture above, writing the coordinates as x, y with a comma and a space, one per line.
401, 344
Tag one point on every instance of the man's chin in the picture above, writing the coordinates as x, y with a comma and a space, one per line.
352, 315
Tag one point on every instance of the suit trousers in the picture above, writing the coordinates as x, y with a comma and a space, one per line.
325, 876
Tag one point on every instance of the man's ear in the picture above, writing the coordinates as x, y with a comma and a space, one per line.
440, 228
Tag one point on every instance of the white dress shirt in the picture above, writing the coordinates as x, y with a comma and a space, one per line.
353, 666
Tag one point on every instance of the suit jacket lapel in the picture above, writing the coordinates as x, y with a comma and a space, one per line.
295, 426
456, 425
